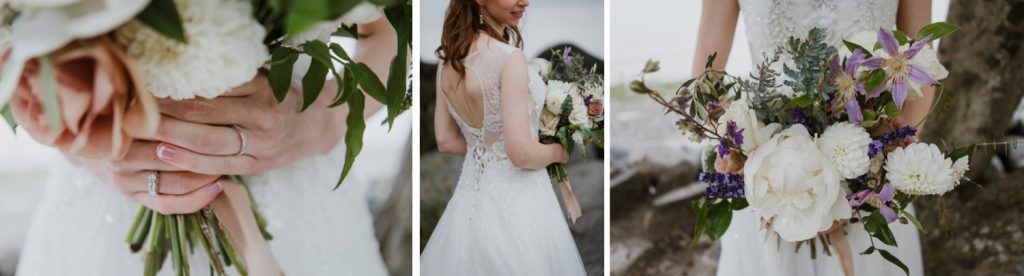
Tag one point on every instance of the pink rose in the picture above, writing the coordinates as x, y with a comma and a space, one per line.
595, 109
101, 96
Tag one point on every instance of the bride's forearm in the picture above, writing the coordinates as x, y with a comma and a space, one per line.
717, 28
915, 111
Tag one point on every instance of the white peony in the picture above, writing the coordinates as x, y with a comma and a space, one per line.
224, 50
960, 168
364, 12
746, 119
919, 169
846, 144
556, 93
540, 66
794, 186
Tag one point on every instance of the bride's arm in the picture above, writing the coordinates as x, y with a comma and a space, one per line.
524, 151
446, 131
717, 28
911, 16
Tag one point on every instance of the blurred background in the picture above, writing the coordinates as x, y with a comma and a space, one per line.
24, 164
547, 25
978, 229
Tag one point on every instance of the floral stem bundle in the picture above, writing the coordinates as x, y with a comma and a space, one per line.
825, 147
85, 74
573, 112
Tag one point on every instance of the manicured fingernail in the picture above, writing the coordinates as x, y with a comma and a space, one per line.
165, 153
214, 189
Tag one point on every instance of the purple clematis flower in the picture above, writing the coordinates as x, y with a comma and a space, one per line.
898, 71
565, 55
877, 200
847, 85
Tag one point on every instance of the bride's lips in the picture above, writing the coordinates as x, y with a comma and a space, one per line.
518, 14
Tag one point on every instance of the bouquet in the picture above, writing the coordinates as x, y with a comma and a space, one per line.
825, 147
573, 111
87, 72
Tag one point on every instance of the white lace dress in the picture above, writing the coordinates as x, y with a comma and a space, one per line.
501, 220
746, 248
80, 225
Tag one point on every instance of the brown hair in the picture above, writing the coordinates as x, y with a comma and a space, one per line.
461, 24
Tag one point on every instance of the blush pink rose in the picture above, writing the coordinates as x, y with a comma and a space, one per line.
102, 99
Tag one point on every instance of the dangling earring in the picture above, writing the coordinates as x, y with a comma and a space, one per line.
480, 11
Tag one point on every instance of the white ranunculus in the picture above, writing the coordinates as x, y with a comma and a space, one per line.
746, 119
790, 183
919, 169
556, 93
364, 12
43, 26
540, 66
928, 60
225, 49
846, 145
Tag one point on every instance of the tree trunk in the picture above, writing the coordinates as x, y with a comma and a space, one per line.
985, 59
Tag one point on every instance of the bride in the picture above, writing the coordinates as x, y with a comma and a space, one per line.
745, 248
503, 218
292, 161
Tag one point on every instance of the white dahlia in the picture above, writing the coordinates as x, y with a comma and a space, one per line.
960, 168
919, 169
224, 49
846, 144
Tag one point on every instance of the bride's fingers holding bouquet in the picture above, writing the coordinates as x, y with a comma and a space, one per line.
245, 131
175, 191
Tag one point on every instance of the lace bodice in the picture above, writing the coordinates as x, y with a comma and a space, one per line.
486, 145
770, 23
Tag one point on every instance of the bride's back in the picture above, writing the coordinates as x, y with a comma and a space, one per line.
473, 96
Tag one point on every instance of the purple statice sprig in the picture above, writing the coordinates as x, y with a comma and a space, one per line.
889, 138
722, 185
734, 139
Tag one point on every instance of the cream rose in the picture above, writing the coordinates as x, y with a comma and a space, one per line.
795, 186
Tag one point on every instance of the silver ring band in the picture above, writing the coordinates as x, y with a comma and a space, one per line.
243, 137
154, 183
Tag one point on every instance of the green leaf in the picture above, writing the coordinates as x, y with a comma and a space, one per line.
48, 91
874, 79
652, 66
719, 217
312, 83
348, 86
340, 52
318, 51
280, 75
892, 259
876, 225
6, 113
702, 216
163, 17
304, 14
711, 60
900, 36
354, 133
854, 46
965, 151
936, 30
368, 81
397, 80
868, 251
802, 101
738, 204
891, 110
914, 220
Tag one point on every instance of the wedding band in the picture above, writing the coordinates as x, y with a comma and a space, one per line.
243, 137
154, 183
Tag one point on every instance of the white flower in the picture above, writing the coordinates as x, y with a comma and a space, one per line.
556, 93
363, 13
43, 26
746, 119
594, 91
578, 138
548, 123
579, 115
877, 162
960, 167
846, 144
790, 183
919, 169
224, 50
866, 39
929, 61
540, 66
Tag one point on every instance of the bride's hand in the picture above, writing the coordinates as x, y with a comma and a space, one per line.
198, 135
180, 192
